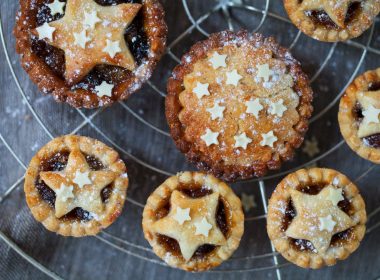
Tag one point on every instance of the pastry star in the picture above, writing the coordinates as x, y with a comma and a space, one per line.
335, 195
371, 115
81, 39
317, 219
254, 107
277, 108
79, 13
197, 231
216, 111
112, 48
56, 7
182, 215
69, 194
201, 90
104, 89
263, 71
268, 139
210, 137
311, 147
233, 78
218, 60
82, 179
336, 9
45, 31
242, 141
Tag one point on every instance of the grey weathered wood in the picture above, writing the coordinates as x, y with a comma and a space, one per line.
90, 258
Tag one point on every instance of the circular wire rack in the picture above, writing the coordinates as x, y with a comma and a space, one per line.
267, 17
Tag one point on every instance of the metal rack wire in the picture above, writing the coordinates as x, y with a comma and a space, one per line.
124, 245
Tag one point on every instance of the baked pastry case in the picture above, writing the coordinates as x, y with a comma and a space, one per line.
137, 129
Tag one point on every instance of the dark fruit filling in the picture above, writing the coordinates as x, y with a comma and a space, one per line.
372, 140
375, 86
57, 163
290, 214
135, 37
193, 191
323, 19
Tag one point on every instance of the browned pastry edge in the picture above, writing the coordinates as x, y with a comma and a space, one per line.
45, 214
347, 120
173, 106
39, 72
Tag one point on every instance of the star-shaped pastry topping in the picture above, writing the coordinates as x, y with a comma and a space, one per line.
81, 39
201, 90
336, 9
248, 202
317, 219
335, 195
82, 14
216, 111
277, 108
182, 215
218, 60
104, 89
72, 191
210, 137
242, 141
56, 7
311, 147
371, 115
264, 72
268, 139
254, 107
201, 229
45, 31
233, 78
112, 48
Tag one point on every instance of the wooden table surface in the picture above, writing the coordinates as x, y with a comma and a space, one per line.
138, 130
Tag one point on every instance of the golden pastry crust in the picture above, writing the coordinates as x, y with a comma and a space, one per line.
189, 117
45, 213
49, 81
233, 214
278, 208
348, 122
361, 20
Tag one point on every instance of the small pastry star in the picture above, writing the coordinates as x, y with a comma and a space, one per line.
277, 108
311, 147
45, 31
248, 202
233, 78
182, 215
371, 115
210, 137
326, 223
264, 72
242, 141
82, 179
81, 39
64, 193
335, 196
104, 89
216, 111
112, 48
91, 19
268, 139
254, 107
203, 227
56, 7
201, 90
71, 196
218, 60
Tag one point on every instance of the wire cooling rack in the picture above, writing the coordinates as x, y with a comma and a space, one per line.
340, 62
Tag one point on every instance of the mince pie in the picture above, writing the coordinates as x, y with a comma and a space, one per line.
90, 53
359, 115
238, 105
193, 221
76, 186
316, 217
332, 20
